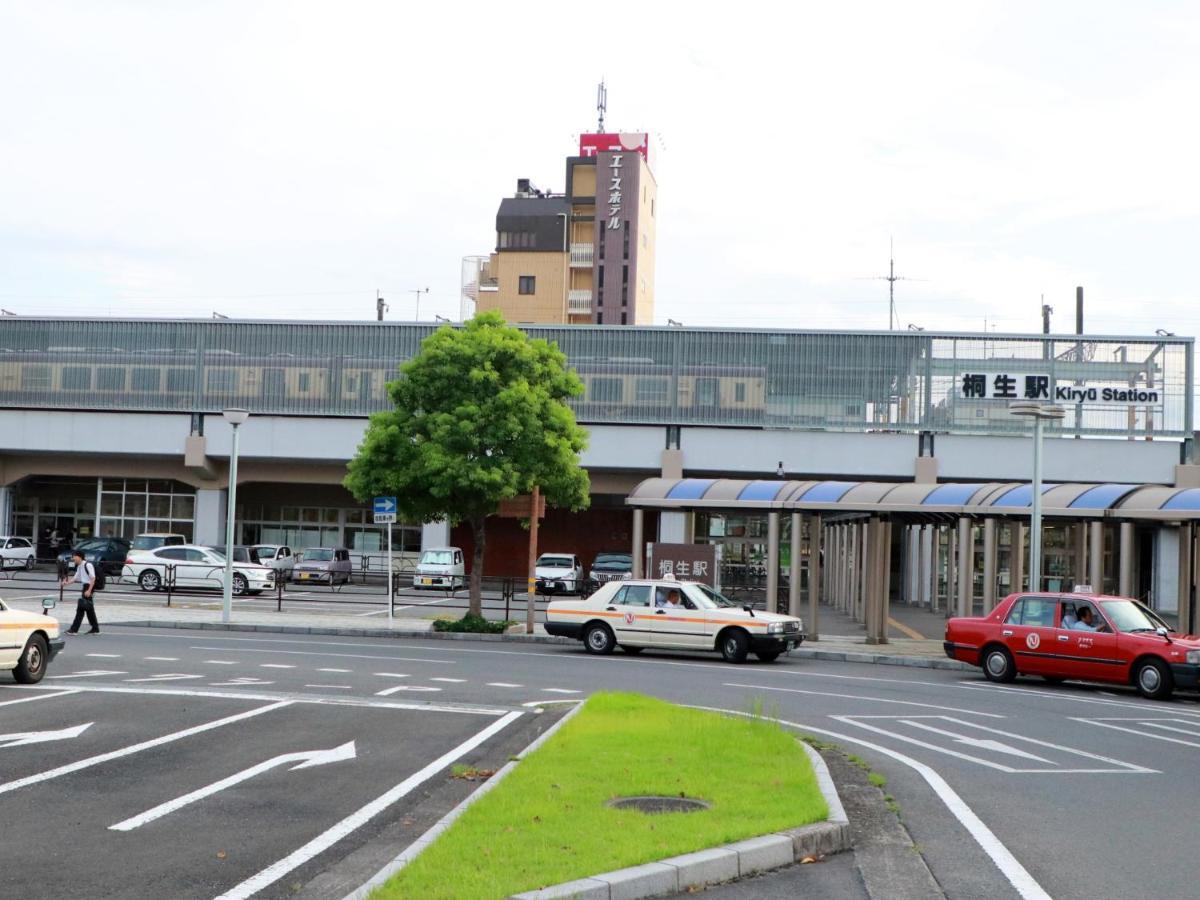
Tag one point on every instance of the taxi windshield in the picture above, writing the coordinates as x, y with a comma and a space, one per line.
1130, 616
706, 598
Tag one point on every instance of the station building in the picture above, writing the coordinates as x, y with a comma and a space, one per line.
732, 437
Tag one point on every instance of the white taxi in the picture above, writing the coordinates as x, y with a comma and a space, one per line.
672, 615
27, 643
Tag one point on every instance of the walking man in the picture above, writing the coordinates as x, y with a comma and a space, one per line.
85, 574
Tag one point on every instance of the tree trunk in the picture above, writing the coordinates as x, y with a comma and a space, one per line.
475, 601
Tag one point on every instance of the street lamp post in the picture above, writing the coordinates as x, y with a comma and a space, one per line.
1039, 413
236, 418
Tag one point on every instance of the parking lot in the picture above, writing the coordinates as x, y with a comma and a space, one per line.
217, 773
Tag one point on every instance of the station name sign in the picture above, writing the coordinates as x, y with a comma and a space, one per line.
1038, 386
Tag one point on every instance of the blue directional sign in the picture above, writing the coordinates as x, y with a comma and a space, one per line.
385, 510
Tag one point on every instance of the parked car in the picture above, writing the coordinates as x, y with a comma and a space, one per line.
611, 564
240, 554
1035, 634
278, 557
637, 614
194, 567
152, 540
17, 553
30, 642
441, 567
558, 573
330, 565
106, 553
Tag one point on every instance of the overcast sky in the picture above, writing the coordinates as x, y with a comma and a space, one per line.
288, 159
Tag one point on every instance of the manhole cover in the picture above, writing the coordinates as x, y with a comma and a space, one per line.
659, 804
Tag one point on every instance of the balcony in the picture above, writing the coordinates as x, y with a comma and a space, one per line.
579, 302
581, 256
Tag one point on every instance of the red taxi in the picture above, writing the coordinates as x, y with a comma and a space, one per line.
1050, 635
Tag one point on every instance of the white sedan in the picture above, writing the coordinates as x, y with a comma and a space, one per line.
194, 567
27, 643
558, 573
16, 553
672, 615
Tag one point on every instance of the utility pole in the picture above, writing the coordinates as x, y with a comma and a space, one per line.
891, 278
380, 307
601, 105
419, 292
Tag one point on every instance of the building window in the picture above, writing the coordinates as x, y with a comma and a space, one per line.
221, 380
601, 283
606, 390
180, 381
302, 382
110, 378
739, 392
626, 251
651, 390
599, 318
624, 274
35, 378
602, 243
526, 284
625, 295
145, 379
77, 378
624, 320
503, 240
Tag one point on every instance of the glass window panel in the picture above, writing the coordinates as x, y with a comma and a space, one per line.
180, 380
111, 528
160, 526
354, 516
110, 378
271, 513
76, 378
135, 486
289, 514
135, 505
23, 504
145, 379
331, 537
182, 507
159, 506
329, 515
86, 507
308, 514
110, 505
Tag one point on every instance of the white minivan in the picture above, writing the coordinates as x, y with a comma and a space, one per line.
441, 567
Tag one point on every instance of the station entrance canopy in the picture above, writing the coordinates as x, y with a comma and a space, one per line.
920, 502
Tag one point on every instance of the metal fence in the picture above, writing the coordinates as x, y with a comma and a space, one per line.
841, 381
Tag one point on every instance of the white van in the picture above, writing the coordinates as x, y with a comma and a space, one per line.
441, 567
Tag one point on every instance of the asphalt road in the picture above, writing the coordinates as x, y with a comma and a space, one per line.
1029, 789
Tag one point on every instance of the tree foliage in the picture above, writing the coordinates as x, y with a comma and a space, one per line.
480, 416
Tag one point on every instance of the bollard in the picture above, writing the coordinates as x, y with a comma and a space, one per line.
278, 595
169, 582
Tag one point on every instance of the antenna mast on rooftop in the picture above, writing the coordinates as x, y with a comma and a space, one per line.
891, 278
601, 105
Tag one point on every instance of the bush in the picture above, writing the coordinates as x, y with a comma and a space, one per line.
472, 624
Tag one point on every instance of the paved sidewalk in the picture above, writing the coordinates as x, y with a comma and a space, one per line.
840, 643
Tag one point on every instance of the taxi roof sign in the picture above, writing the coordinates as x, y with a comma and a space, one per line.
1082, 589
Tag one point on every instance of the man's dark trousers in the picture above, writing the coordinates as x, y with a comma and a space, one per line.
85, 606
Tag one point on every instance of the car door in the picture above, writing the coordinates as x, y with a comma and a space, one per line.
1092, 655
1029, 633
632, 625
681, 627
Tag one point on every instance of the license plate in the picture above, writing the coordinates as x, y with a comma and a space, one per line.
304, 576
426, 581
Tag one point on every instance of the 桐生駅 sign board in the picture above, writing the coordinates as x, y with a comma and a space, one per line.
686, 562
1043, 387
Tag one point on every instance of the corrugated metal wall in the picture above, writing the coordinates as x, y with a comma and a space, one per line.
841, 381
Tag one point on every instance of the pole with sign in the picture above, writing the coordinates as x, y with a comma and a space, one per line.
385, 513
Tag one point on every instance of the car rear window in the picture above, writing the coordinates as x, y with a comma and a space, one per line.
633, 595
1033, 611
558, 562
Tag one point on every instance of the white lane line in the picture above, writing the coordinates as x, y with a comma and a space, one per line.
1016, 874
411, 688
274, 666
356, 820
374, 612
36, 697
561, 691
958, 709
162, 658
503, 684
330, 687
451, 680
438, 662
91, 673
137, 748
220, 662
338, 671
105, 655
390, 675
535, 703
167, 677
1072, 697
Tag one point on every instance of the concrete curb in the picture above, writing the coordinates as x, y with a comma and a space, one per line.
718, 864
413, 850
853, 656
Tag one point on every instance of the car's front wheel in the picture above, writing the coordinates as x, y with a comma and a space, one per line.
149, 580
32, 664
1153, 680
599, 639
735, 645
998, 665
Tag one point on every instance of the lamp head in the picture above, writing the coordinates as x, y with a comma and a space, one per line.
236, 416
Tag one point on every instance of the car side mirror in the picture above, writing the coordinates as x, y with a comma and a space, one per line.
49, 603
1163, 633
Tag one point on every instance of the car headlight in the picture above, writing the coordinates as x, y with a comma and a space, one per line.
775, 628
1193, 656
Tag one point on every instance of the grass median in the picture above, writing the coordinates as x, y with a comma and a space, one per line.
548, 821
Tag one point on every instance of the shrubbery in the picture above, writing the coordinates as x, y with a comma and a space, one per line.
472, 624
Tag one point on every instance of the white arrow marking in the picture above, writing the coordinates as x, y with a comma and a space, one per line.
305, 758
981, 743
39, 737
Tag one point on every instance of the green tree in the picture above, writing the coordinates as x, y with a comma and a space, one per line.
480, 416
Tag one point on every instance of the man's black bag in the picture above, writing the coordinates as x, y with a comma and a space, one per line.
97, 576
